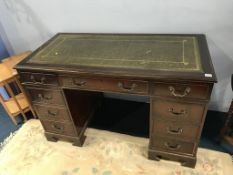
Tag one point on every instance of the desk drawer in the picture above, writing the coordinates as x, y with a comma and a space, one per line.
38, 78
46, 96
197, 91
176, 130
106, 84
59, 127
126, 86
177, 111
52, 113
172, 145
81, 82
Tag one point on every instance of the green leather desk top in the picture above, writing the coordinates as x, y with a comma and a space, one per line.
144, 52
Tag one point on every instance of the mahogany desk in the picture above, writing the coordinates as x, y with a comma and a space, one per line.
66, 76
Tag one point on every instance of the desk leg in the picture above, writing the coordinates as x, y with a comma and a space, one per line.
187, 161
51, 138
77, 141
80, 141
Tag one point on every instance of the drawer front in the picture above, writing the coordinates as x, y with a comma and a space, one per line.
59, 128
81, 83
171, 145
106, 84
52, 113
126, 86
46, 96
177, 111
38, 78
181, 90
175, 129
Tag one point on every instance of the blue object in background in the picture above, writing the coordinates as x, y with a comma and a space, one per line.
3, 54
3, 93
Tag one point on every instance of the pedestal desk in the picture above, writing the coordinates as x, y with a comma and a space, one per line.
66, 77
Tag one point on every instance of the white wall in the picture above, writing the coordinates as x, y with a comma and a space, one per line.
29, 23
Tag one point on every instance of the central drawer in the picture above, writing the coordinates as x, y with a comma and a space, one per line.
105, 84
45, 96
125, 86
81, 82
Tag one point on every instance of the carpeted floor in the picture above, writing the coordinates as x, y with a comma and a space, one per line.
103, 153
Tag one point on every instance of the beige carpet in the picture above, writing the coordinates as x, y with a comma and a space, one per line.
104, 153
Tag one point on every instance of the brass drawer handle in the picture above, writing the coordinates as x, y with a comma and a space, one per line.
80, 83
172, 111
41, 81
172, 147
57, 127
174, 131
50, 113
173, 91
43, 97
122, 87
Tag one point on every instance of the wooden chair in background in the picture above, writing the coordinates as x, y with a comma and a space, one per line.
18, 102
